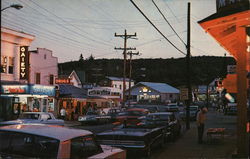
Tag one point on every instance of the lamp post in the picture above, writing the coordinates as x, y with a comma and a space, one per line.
16, 6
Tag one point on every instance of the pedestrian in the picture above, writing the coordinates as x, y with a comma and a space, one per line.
63, 113
201, 117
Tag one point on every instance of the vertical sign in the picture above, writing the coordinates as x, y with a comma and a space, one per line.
24, 63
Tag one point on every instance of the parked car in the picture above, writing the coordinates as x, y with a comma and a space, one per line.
133, 138
150, 108
113, 113
50, 141
34, 117
130, 116
92, 117
193, 110
171, 127
172, 107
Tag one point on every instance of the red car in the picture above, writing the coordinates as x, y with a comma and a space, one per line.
130, 116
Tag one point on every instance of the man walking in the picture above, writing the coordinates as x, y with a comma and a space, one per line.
201, 117
63, 113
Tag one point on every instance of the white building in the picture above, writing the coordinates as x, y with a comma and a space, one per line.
43, 67
11, 41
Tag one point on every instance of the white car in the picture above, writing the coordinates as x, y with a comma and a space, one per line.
94, 118
35, 117
50, 141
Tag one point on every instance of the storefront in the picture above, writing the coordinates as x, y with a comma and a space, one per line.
24, 98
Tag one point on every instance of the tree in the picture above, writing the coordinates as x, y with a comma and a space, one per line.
91, 58
81, 58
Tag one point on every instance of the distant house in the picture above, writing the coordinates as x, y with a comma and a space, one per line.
149, 92
75, 78
116, 82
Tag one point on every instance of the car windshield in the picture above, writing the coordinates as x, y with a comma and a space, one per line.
157, 117
21, 145
29, 116
193, 108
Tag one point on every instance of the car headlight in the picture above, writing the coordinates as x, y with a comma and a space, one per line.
82, 118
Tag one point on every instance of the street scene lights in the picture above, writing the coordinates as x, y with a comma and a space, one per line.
16, 6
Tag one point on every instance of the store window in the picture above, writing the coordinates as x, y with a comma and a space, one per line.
11, 65
51, 79
38, 78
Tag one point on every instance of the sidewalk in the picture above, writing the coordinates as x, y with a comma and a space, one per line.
187, 147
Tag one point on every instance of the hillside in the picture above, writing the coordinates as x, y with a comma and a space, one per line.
172, 71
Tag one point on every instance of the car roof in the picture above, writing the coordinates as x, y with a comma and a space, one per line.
57, 132
137, 109
35, 113
161, 113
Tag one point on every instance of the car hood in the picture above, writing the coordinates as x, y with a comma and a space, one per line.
126, 132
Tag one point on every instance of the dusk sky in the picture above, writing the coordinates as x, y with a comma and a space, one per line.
72, 27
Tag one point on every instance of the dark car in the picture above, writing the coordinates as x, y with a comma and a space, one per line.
113, 113
130, 116
92, 117
167, 121
150, 108
172, 107
36, 118
133, 138
193, 111
231, 109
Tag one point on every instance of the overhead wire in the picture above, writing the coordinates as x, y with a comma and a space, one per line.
77, 33
168, 23
157, 28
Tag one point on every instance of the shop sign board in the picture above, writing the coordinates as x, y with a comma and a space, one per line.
15, 89
42, 90
184, 94
62, 81
24, 63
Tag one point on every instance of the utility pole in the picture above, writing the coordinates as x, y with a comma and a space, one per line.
188, 70
125, 36
130, 73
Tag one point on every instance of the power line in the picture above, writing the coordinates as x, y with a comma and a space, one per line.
157, 28
168, 23
84, 36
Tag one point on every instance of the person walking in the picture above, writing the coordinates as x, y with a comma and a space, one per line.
63, 113
201, 117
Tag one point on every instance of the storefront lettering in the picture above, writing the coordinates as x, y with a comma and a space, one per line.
24, 62
14, 89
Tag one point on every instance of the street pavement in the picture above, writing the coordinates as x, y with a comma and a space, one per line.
187, 147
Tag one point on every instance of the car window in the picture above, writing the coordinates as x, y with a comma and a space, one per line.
91, 113
29, 116
27, 145
45, 117
83, 147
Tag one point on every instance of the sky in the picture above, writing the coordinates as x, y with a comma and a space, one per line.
73, 27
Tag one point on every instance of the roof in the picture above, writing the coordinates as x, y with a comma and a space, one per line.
52, 131
70, 91
160, 87
117, 78
66, 73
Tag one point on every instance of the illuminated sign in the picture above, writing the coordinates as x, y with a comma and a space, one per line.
62, 81
24, 63
232, 5
14, 89
42, 90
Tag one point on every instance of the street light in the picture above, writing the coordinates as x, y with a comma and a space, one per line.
16, 6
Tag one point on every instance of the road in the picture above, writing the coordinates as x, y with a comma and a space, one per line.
172, 149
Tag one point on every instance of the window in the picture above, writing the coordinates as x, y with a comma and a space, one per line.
11, 65
84, 147
51, 79
28, 146
38, 78
3, 64
45, 56
120, 86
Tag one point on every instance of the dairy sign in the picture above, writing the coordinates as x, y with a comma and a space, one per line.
24, 63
